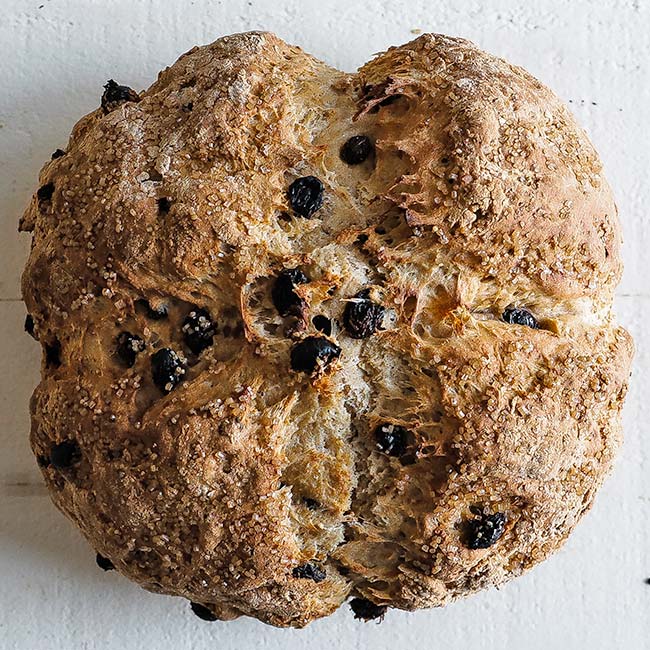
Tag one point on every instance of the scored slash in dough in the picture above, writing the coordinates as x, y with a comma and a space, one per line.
482, 194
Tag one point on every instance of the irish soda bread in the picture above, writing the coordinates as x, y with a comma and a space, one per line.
310, 336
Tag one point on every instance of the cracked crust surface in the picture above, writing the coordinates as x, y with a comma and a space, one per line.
482, 194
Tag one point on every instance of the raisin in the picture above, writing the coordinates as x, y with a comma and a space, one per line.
284, 297
356, 150
164, 205
57, 154
306, 196
198, 330
392, 439
104, 563
309, 571
362, 317
518, 316
53, 354
485, 530
203, 612
322, 324
312, 504
114, 95
167, 369
128, 347
366, 610
155, 313
313, 352
65, 454
29, 325
44, 194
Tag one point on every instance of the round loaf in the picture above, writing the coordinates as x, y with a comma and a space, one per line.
310, 335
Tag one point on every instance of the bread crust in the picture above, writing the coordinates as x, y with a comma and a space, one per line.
482, 193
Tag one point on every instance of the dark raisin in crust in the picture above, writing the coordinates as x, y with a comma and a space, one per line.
519, 316
366, 610
322, 324
356, 150
104, 563
312, 352
198, 330
392, 439
203, 612
362, 317
29, 325
65, 454
53, 354
114, 95
485, 530
284, 297
309, 571
57, 154
167, 369
44, 193
128, 347
164, 205
305, 196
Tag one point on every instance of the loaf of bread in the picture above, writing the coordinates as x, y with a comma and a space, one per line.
311, 336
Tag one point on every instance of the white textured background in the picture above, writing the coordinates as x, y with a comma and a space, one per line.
54, 57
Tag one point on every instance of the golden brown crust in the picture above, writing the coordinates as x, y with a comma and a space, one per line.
483, 194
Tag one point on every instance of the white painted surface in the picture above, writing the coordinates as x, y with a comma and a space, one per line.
54, 57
